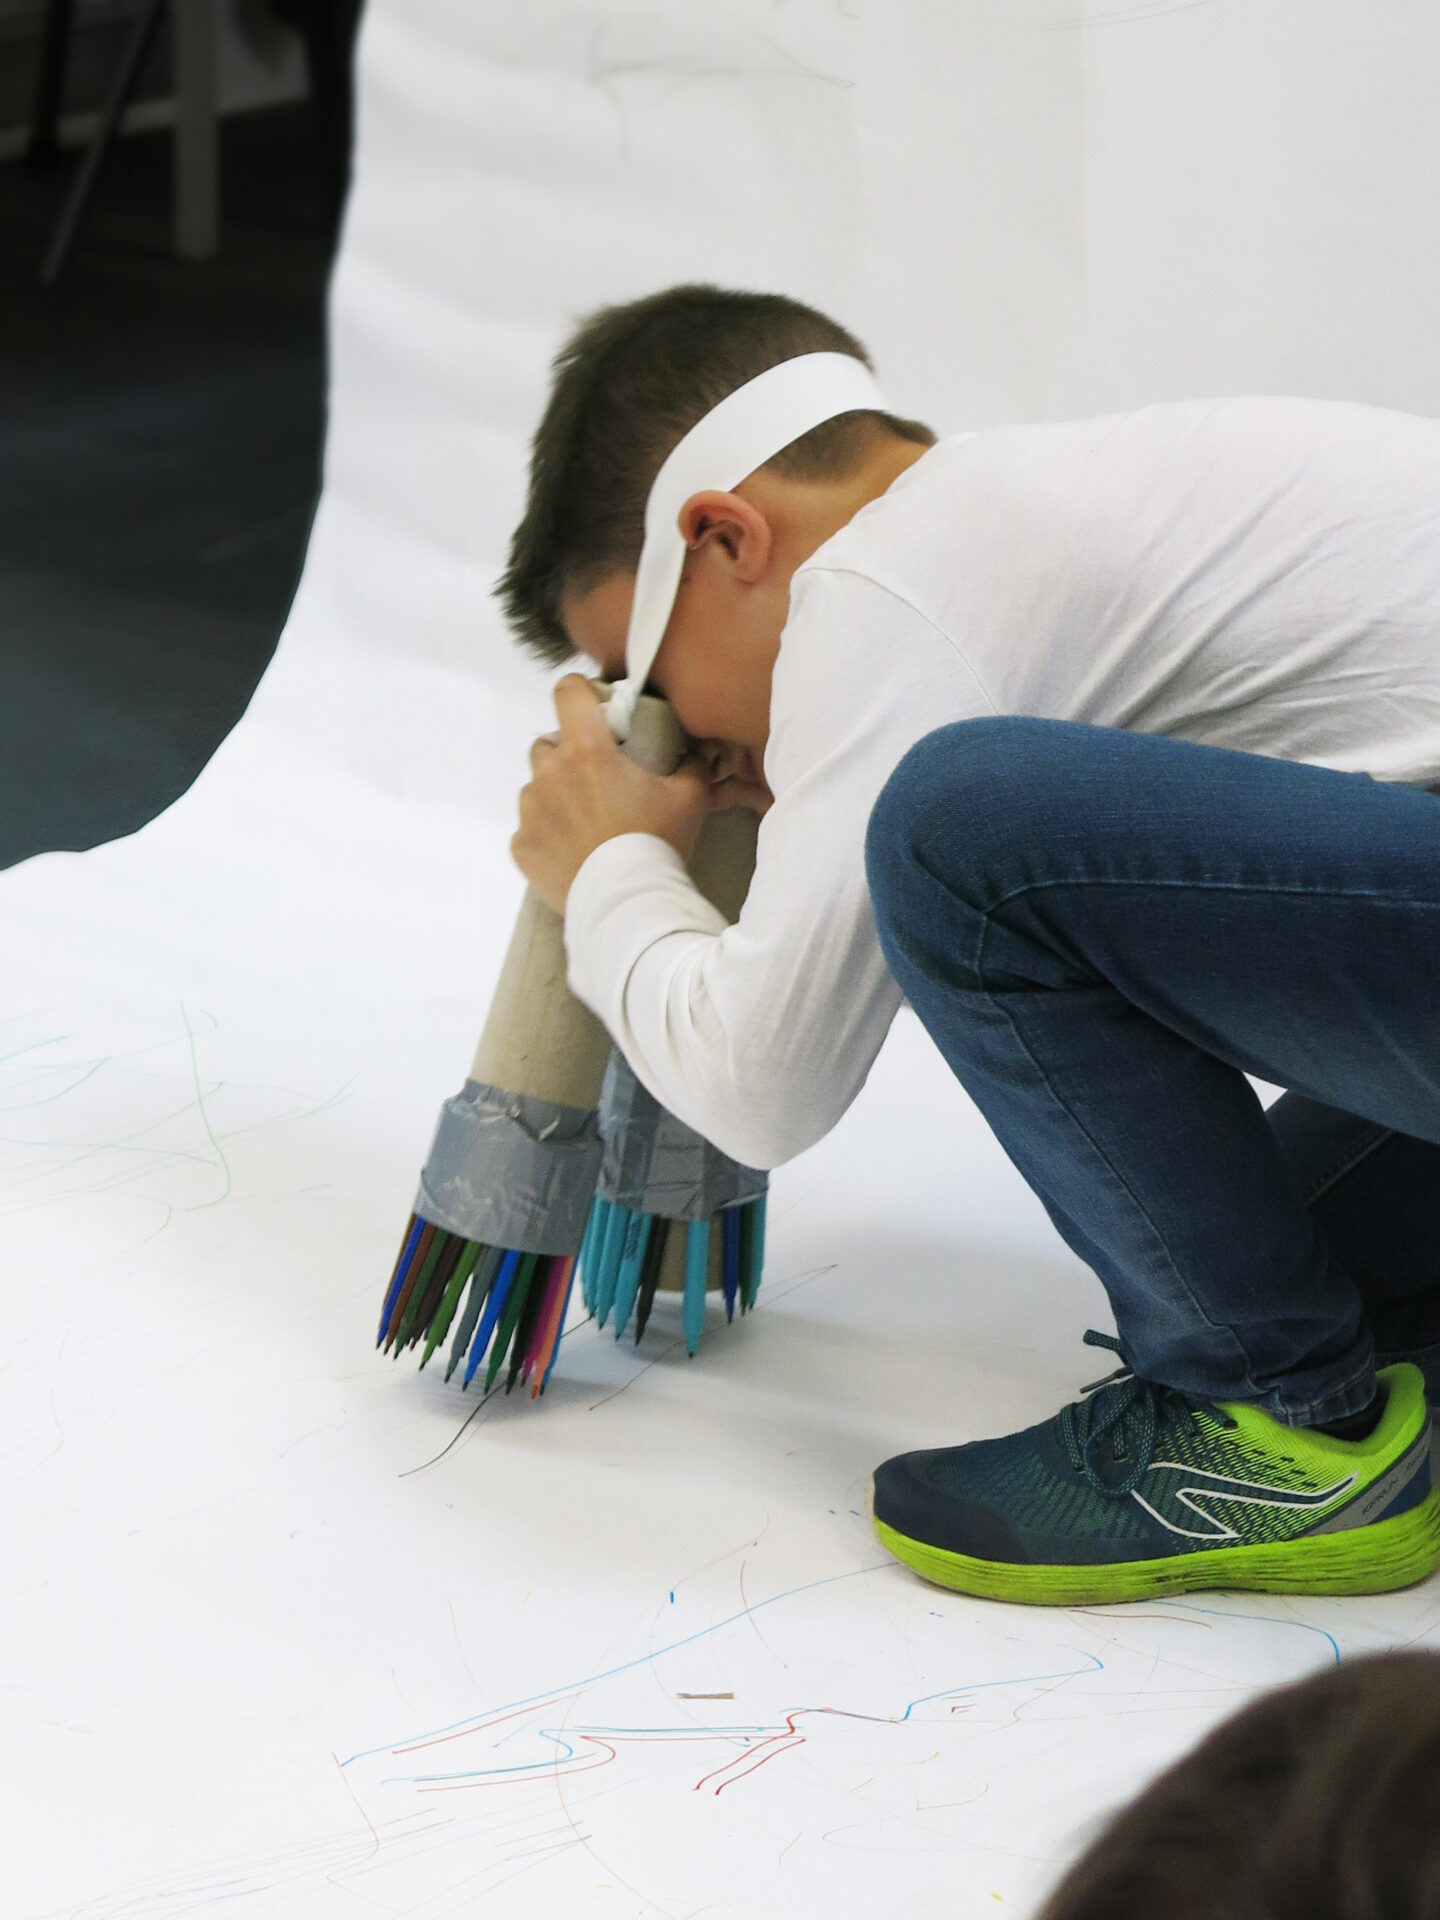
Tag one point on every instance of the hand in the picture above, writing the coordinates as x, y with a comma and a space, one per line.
583, 791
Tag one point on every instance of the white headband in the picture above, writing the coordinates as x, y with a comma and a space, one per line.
724, 447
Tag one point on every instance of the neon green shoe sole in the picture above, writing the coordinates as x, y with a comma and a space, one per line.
1140, 1491
1379, 1558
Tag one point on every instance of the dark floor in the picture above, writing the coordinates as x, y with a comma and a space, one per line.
160, 441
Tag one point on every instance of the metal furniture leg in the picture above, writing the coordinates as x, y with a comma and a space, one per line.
197, 144
136, 48
43, 147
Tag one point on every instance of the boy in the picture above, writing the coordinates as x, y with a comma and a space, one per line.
1103, 743
1319, 1801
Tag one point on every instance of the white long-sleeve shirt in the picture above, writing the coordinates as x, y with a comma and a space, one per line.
1261, 574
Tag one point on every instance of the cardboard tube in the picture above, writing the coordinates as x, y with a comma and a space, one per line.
672, 1266
724, 859
538, 1038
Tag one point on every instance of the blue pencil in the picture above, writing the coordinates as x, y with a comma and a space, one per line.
730, 1258
627, 1281
697, 1266
610, 1250
397, 1279
493, 1309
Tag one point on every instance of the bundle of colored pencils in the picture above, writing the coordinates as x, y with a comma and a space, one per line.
625, 1255
515, 1308
514, 1312
514, 1196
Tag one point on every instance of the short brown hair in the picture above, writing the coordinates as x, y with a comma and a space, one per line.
1320, 1801
627, 386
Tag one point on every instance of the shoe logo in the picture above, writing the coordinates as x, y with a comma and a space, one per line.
1177, 1496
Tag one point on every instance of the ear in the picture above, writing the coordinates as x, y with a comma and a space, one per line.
731, 527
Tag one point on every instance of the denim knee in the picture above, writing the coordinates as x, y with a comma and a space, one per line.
965, 788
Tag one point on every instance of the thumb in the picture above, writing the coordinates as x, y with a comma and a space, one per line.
580, 711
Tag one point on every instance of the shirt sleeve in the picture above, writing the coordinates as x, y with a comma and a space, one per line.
760, 1034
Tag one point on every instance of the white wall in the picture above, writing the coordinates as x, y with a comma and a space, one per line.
1028, 208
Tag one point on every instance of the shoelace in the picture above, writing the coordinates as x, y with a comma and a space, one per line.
1123, 1409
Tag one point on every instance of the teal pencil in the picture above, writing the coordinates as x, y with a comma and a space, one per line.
590, 1250
697, 1266
610, 1251
627, 1281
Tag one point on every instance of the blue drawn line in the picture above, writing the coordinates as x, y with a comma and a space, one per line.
741, 1736
1097, 1665
690, 1731
626, 1666
1263, 1619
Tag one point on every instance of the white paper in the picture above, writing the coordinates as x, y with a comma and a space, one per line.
279, 1637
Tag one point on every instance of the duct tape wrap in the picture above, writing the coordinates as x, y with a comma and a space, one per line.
653, 1163
510, 1170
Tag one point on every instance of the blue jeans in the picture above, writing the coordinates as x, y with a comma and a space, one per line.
1104, 932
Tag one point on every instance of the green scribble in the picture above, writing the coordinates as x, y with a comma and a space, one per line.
200, 1103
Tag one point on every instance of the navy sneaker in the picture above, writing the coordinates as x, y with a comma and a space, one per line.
1137, 1490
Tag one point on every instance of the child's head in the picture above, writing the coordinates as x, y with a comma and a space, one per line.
1320, 1801
629, 384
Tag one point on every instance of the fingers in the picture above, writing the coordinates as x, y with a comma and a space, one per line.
581, 712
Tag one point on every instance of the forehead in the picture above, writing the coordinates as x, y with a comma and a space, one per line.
597, 617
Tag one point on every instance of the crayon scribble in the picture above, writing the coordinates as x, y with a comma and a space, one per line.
561, 1748
76, 1121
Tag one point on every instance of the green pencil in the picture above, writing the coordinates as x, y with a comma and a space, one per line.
455, 1287
422, 1307
519, 1289
439, 1241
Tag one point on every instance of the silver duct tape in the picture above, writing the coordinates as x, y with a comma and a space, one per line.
511, 1171
653, 1163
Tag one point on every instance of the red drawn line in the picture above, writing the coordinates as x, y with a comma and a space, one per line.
479, 1726
777, 1747
374, 1836
508, 1779
1182, 1619
757, 1756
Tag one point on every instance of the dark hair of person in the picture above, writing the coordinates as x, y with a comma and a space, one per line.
627, 386
1320, 1801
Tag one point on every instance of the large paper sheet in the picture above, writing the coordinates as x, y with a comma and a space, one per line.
291, 1630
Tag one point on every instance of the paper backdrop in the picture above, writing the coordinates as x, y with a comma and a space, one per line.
282, 1633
